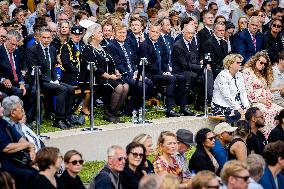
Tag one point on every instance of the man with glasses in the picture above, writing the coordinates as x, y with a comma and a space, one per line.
109, 177
235, 175
213, 8
256, 141
224, 135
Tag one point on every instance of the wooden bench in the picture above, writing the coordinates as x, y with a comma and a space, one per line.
217, 118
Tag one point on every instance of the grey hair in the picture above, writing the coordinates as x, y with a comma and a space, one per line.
255, 164
253, 18
161, 20
90, 31
150, 182
9, 103
14, 33
111, 151
4, 3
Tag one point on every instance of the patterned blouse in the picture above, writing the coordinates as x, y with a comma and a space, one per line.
160, 165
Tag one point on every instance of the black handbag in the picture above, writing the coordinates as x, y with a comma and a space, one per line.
21, 158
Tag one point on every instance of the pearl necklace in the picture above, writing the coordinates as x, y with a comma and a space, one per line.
102, 53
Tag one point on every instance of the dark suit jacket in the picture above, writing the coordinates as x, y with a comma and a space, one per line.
185, 59
131, 40
267, 180
203, 35
217, 54
243, 44
6, 68
35, 57
120, 60
147, 50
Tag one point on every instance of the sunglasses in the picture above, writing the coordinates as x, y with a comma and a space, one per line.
211, 138
276, 26
135, 155
123, 4
75, 162
122, 158
245, 178
262, 63
215, 187
215, 9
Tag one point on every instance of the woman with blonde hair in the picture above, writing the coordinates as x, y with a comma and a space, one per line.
205, 179
165, 161
258, 76
146, 140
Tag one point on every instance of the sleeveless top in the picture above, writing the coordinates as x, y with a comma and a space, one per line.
230, 155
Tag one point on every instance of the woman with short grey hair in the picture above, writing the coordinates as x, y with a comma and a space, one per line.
256, 166
107, 76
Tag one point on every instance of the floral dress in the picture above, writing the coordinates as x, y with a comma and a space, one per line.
258, 89
160, 165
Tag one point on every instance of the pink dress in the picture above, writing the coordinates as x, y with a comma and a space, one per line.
161, 166
257, 89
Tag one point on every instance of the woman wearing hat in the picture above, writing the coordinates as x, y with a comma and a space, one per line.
108, 78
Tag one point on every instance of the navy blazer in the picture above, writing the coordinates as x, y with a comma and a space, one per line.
167, 41
267, 180
243, 44
131, 40
120, 60
147, 50
6, 68
35, 57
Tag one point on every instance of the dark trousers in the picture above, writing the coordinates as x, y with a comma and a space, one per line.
175, 88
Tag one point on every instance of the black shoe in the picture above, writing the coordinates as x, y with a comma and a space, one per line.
186, 112
60, 124
172, 114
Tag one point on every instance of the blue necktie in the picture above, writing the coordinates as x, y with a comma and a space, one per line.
157, 49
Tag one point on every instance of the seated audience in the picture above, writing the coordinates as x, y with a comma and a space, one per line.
255, 164
277, 85
170, 181
235, 174
274, 157
107, 76
6, 181
256, 140
224, 136
242, 24
48, 160
278, 132
133, 172
205, 179
151, 182
185, 140
237, 148
229, 94
258, 77
146, 140
164, 161
73, 165
110, 176
202, 158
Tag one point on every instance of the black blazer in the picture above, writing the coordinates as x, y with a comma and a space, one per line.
147, 50
35, 57
184, 59
217, 54
5, 66
203, 35
200, 160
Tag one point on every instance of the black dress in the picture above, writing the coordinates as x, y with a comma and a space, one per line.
41, 182
130, 179
104, 64
230, 155
71, 182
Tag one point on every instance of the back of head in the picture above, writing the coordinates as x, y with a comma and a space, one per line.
202, 178
150, 182
170, 181
232, 168
255, 164
6, 180
243, 129
273, 151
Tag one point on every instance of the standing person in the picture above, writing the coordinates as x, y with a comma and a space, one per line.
202, 158
110, 176
274, 156
133, 170
73, 165
238, 148
224, 136
185, 140
49, 161
258, 76
256, 141
278, 132
44, 55
235, 175
108, 77
249, 41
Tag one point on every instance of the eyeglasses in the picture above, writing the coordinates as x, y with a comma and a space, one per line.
75, 162
245, 178
276, 26
3, 36
239, 62
216, 187
211, 138
229, 133
215, 9
122, 158
135, 155
262, 63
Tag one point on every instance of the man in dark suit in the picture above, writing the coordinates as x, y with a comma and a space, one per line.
217, 47
11, 78
249, 41
207, 32
158, 71
127, 63
44, 55
107, 33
